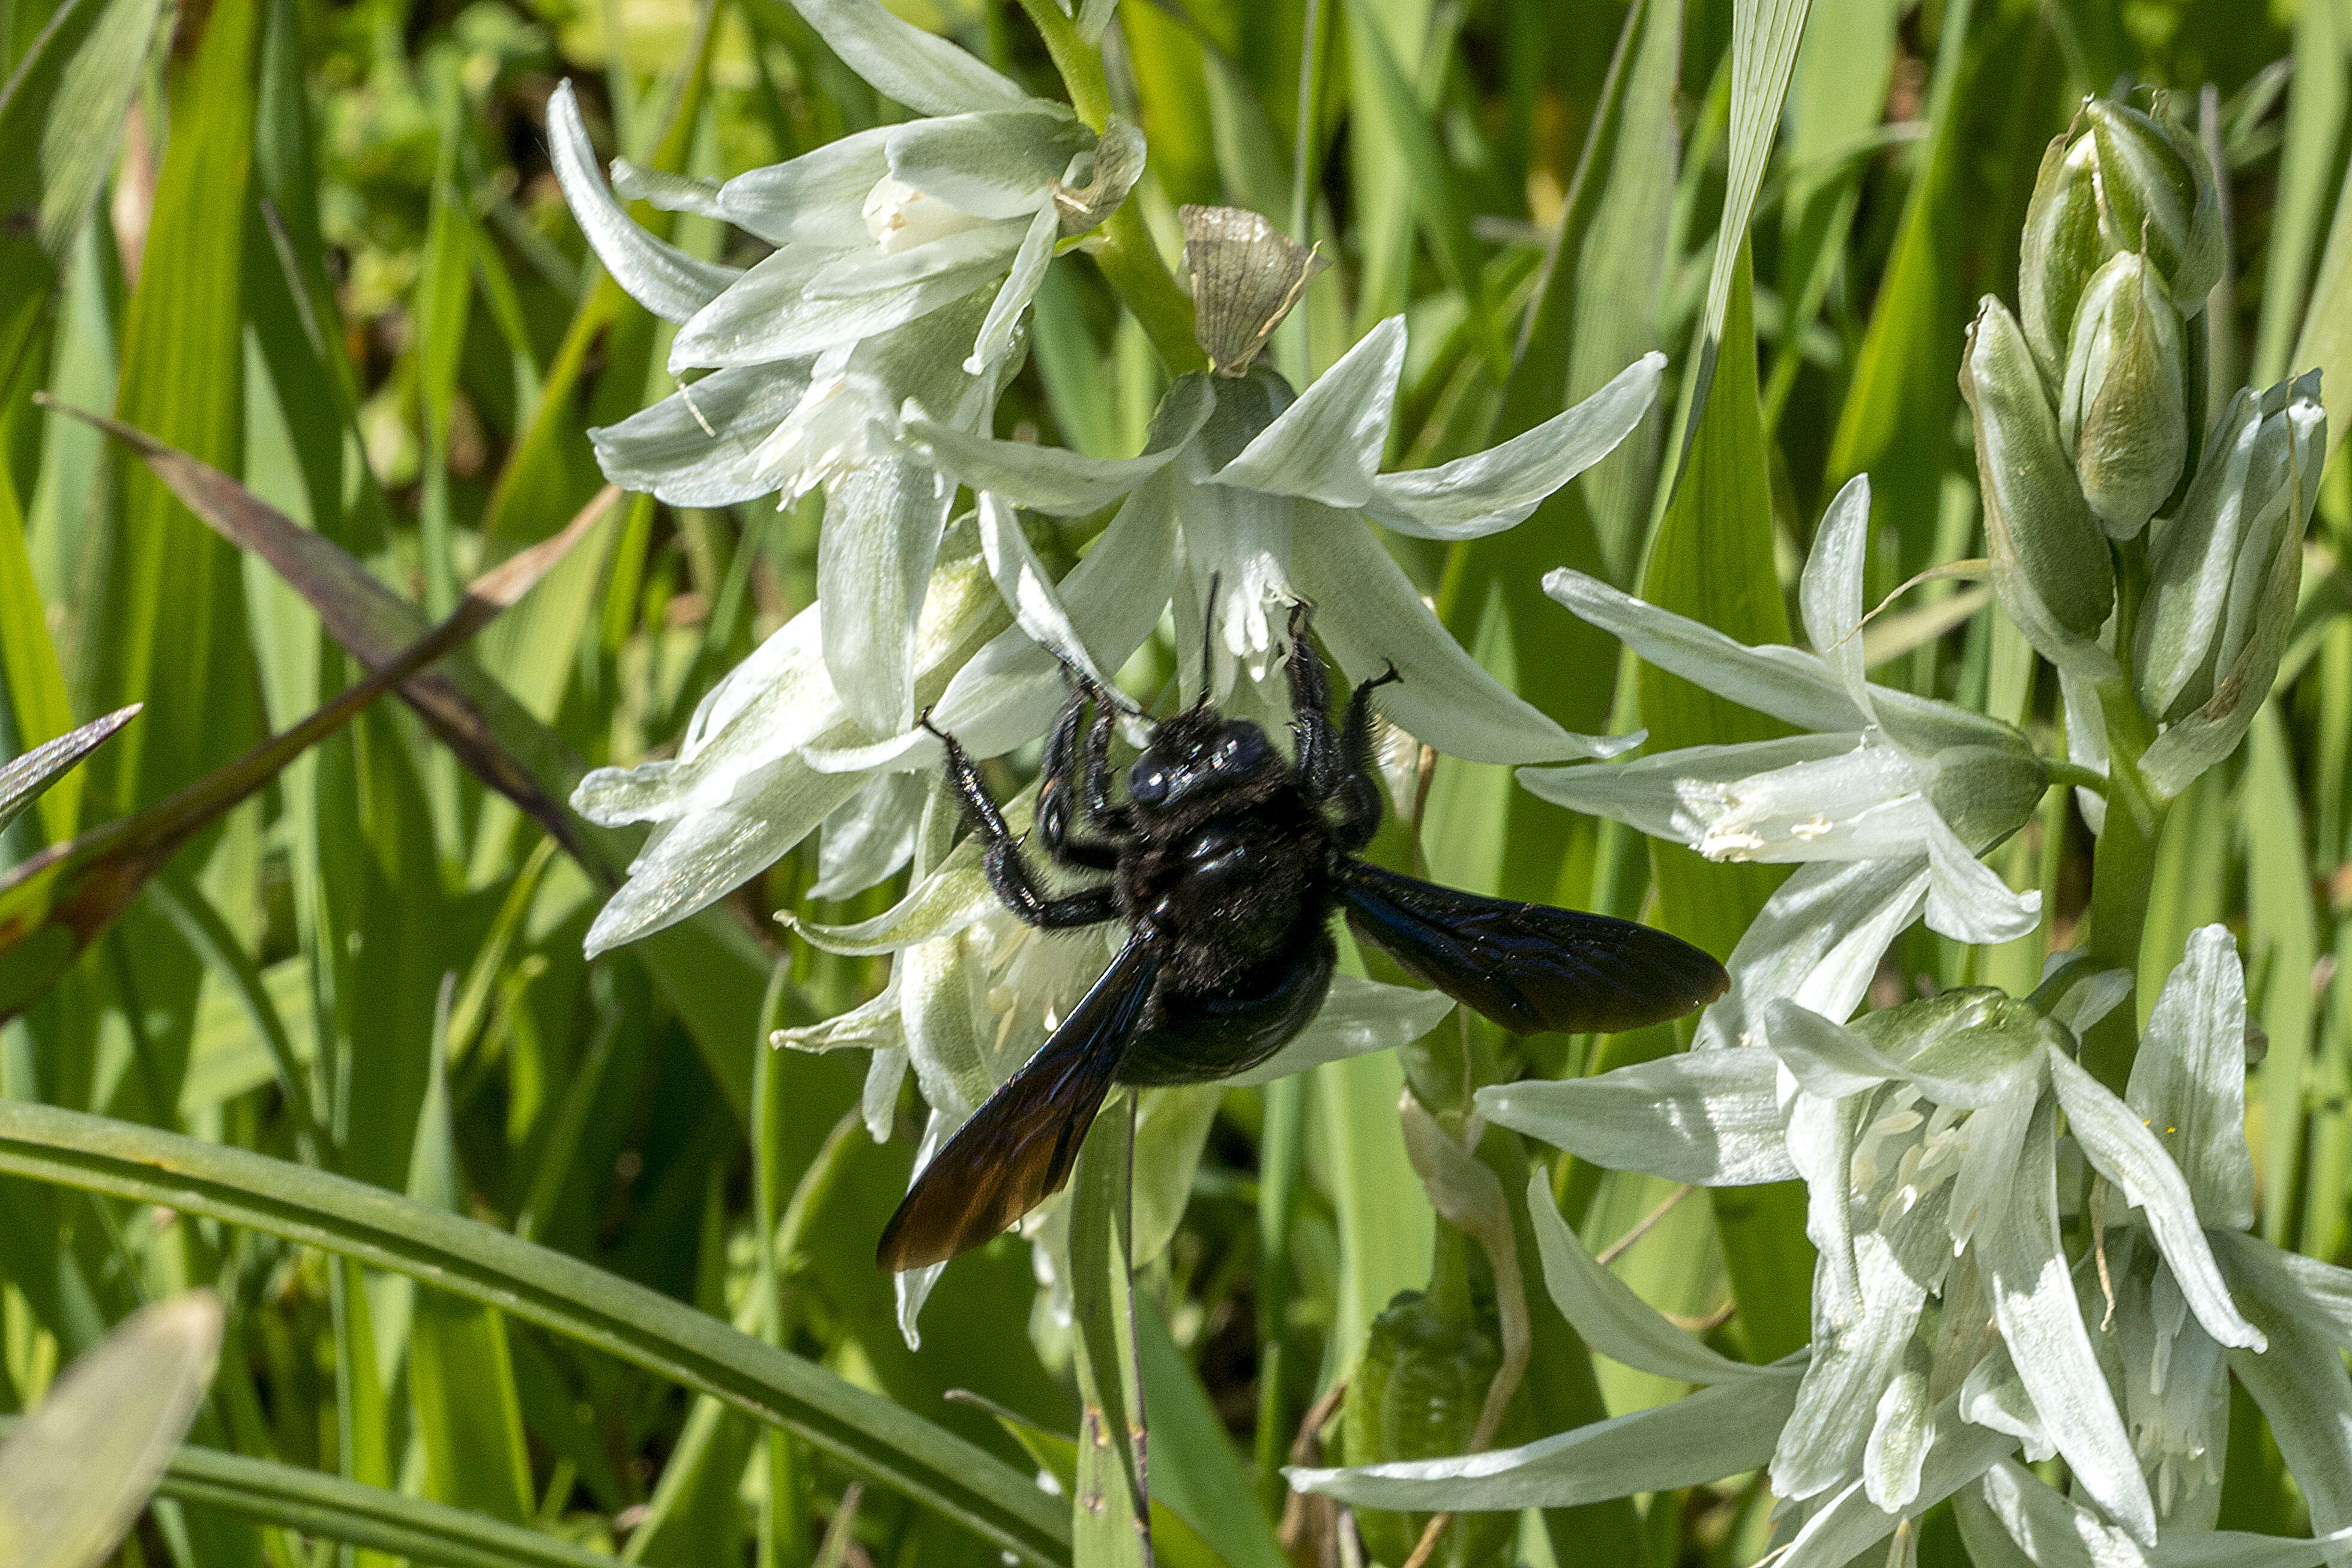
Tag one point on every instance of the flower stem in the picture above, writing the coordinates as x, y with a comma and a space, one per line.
1123, 247
2123, 867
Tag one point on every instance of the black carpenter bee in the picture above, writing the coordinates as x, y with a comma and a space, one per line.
1226, 864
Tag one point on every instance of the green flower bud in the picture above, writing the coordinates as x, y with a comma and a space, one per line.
2155, 195
2051, 566
1966, 1045
2222, 576
2124, 413
1987, 793
2059, 252
1416, 1395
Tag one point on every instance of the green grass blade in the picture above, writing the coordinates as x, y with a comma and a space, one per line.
614, 1315
2318, 97
25, 778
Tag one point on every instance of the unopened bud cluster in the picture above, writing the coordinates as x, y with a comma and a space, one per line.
2082, 405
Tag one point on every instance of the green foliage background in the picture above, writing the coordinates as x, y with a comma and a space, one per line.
346, 1040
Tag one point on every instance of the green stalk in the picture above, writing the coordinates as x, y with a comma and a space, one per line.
2123, 867
1123, 246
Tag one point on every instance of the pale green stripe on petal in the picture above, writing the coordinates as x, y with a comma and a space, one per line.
882, 525
999, 163
1051, 480
1370, 616
697, 447
1497, 489
920, 70
1830, 594
2036, 1306
1606, 1313
1788, 683
2122, 1149
1327, 445
1710, 1118
1717, 1432
655, 274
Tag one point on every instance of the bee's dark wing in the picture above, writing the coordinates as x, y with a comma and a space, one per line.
1529, 967
1018, 1148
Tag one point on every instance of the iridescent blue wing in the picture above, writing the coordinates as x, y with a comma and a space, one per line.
1529, 967
1018, 1147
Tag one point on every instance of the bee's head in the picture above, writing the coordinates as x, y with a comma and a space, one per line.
1196, 753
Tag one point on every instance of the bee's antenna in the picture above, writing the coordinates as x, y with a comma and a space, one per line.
1208, 643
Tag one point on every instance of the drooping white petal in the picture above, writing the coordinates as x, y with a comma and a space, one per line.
2299, 1383
1327, 445
871, 838
1980, 1188
1967, 900
1371, 617
1654, 794
2034, 1303
2121, 1147
919, 70
1993, 1398
1489, 491
1852, 1363
655, 273
664, 191
999, 163
1829, 1061
773, 314
1788, 683
1050, 479
881, 533
886, 1073
1717, 1432
1817, 941
698, 447
1019, 287
1012, 688
1710, 1118
1359, 1017
814, 199
1606, 1313
2053, 1533
1240, 543
1851, 1524
2087, 990
2189, 1081
1902, 1435
1028, 592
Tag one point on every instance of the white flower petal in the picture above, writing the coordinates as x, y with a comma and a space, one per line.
1829, 1061
1830, 594
1710, 1118
1359, 1017
690, 863
1967, 900
2040, 1522
1028, 592
2301, 1306
814, 199
1980, 1188
886, 1073
999, 163
770, 315
1050, 479
2087, 990
1371, 617
1327, 445
1865, 802
1654, 794
655, 273
1852, 1524
664, 191
1019, 287
1717, 1432
882, 525
1012, 688
1817, 941
1497, 489
1606, 1313
1993, 1398
699, 445
2189, 1081
2087, 742
1788, 683
972, 254
1853, 1364
2121, 1147
919, 70
2034, 1304
1240, 542
1896, 1456
870, 837
874, 1024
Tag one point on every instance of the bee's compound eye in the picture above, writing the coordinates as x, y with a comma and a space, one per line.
1147, 784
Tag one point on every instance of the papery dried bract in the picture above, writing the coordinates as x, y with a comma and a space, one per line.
1247, 274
